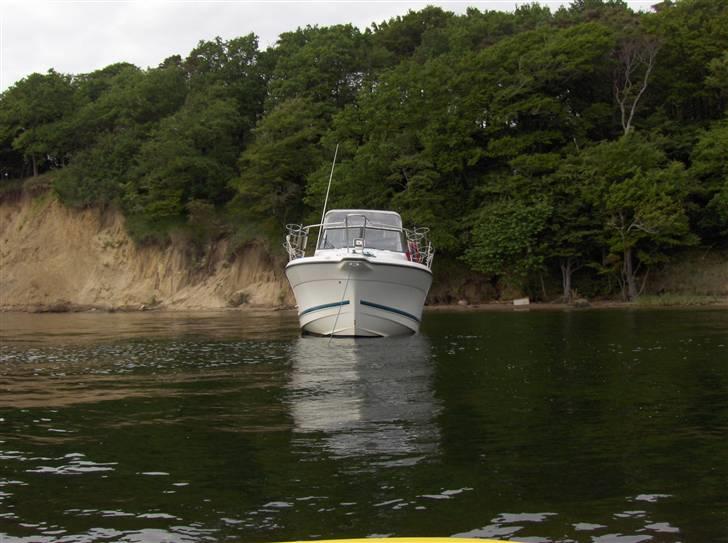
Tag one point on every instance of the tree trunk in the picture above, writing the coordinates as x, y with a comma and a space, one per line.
566, 272
628, 273
35, 165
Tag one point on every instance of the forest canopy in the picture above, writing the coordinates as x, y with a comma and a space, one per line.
532, 142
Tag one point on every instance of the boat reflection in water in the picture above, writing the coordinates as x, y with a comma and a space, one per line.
368, 397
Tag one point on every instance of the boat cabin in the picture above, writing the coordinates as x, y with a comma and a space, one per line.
363, 229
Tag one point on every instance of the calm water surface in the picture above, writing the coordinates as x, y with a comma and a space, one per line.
598, 426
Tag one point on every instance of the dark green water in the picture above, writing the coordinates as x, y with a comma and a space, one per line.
598, 426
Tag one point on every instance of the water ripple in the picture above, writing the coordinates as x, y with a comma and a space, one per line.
589, 427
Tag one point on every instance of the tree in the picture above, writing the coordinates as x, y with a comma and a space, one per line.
692, 33
118, 107
233, 65
191, 156
125, 97
709, 170
718, 78
274, 167
540, 91
402, 35
402, 146
636, 57
96, 175
30, 111
506, 238
325, 65
638, 196
573, 233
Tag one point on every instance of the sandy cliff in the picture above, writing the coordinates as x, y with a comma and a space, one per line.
52, 257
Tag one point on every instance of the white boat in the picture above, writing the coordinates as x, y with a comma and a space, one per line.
367, 276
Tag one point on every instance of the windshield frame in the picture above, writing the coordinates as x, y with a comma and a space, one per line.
360, 232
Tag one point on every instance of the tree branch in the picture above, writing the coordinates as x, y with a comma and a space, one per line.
634, 55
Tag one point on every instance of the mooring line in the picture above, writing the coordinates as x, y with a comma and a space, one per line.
343, 295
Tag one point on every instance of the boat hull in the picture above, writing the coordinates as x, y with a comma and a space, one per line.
355, 296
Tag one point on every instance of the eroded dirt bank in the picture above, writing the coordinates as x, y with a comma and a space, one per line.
55, 258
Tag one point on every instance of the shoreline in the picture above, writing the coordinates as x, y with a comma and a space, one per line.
553, 306
65, 307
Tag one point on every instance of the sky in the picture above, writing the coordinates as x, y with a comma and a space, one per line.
79, 36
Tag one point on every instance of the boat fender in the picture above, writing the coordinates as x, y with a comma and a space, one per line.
414, 251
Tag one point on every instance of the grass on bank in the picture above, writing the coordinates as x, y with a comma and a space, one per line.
33, 186
663, 300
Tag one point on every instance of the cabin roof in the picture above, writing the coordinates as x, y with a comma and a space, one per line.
376, 216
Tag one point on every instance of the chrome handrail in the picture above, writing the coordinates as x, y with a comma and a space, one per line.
419, 247
296, 241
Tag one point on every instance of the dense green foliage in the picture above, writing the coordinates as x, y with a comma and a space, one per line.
533, 143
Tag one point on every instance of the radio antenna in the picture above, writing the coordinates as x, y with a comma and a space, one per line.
326, 201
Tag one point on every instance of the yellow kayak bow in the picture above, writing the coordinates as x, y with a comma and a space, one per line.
404, 540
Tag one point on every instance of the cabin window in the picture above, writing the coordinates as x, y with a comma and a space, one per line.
374, 238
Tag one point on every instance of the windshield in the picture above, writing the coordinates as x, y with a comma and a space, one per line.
374, 238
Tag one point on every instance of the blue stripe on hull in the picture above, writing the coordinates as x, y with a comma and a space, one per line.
324, 306
390, 309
